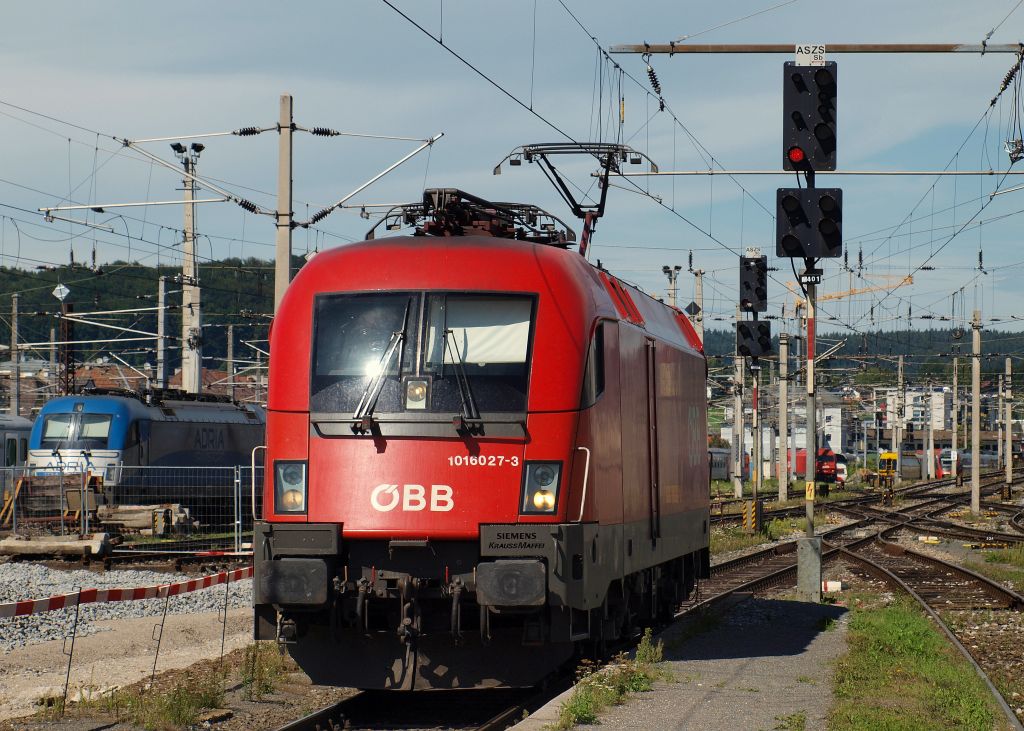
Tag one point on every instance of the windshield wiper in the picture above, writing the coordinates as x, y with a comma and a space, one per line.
368, 401
465, 390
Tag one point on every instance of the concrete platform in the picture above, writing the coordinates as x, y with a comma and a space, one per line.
765, 660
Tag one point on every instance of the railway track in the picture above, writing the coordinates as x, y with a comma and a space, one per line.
941, 588
483, 710
754, 572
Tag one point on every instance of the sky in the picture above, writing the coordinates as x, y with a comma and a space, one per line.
82, 75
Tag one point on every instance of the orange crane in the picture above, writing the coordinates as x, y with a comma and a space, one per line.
896, 282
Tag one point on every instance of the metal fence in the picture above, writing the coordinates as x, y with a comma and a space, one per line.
151, 509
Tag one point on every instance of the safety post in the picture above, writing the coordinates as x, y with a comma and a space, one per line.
158, 630
224, 620
70, 652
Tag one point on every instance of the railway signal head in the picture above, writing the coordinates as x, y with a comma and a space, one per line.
754, 283
754, 339
809, 223
809, 117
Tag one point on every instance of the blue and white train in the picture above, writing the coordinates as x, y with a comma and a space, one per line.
101, 433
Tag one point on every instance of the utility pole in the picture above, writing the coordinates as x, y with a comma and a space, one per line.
67, 350
191, 305
231, 361
976, 414
1008, 429
161, 333
956, 405
796, 388
698, 320
283, 255
737, 428
53, 362
783, 417
811, 461
673, 277
999, 420
897, 432
931, 433
755, 379
15, 360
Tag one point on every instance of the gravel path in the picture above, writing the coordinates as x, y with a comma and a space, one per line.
32, 581
768, 660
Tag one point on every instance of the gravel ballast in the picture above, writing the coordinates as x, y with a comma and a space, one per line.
20, 581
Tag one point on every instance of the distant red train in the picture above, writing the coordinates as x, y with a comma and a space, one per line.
482, 453
824, 465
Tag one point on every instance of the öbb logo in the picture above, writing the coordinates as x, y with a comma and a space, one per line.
412, 498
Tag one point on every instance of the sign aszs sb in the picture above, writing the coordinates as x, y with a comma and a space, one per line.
810, 54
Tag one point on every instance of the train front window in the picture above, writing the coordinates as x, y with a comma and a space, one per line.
351, 340
93, 431
57, 430
76, 431
440, 347
488, 338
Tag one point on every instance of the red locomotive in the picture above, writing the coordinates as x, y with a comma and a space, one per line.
482, 453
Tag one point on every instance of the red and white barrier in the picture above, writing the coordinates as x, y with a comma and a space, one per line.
99, 596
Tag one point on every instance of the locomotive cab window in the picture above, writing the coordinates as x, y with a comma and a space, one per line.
421, 352
76, 431
593, 376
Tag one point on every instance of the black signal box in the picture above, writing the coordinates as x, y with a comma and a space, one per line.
754, 283
809, 117
809, 223
754, 338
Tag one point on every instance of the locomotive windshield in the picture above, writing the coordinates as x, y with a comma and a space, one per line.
76, 431
432, 351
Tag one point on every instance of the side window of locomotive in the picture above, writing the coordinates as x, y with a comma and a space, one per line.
593, 376
133, 435
22, 450
352, 338
11, 452
487, 337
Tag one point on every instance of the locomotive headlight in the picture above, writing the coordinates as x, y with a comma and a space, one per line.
289, 486
416, 392
544, 500
540, 487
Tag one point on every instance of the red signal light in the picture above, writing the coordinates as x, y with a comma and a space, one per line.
796, 155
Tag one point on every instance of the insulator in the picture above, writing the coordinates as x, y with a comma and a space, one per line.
653, 77
247, 205
324, 132
248, 131
320, 215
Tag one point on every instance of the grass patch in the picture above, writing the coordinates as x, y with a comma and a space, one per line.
735, 538
156, 709
999, 572
793, 722
597, 688
1013, 556
262, 668
1005, 565
896, 647
826, 624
